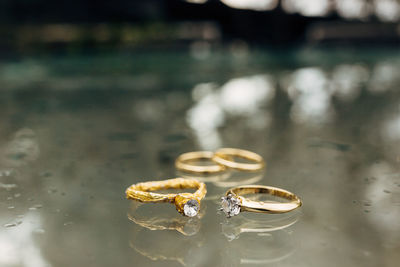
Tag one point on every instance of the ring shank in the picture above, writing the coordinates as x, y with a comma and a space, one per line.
265, 207
141, 192
182, 162
224, 156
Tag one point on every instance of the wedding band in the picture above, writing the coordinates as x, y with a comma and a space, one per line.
182, 163
224, 156
186, 203
233, 202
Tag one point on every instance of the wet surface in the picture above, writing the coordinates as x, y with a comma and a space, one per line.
77, 131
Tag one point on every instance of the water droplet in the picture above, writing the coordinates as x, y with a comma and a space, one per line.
52, 190
36, 207
8, 187
367, 253
5, 173
367, 203
8, 225
39, 231
17, 195
46, 174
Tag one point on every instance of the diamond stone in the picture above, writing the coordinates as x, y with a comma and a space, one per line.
191, 208
230, 205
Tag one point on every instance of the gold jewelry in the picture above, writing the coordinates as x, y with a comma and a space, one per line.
182, 163
186, 203
233, 203
224, 157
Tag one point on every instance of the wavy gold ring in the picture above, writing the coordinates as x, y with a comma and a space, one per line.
182, 163
186, 203
233, 202
224, 156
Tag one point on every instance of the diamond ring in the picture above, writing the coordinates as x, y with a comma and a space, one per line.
233, 202
186, 203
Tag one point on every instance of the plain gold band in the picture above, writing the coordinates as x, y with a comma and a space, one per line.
224, 157
182, 163
265, 207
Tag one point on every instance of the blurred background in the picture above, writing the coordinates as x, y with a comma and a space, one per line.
40, 26
98, 95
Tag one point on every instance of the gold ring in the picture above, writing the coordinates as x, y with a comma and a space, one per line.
182, 163
233, 202
224, 157
186, 203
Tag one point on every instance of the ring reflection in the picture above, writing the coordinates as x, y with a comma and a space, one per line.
259, 240
160, 217
164, 245
160, 234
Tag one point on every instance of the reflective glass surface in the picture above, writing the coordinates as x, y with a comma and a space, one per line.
77, 131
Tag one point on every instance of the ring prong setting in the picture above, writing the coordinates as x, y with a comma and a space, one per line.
191, 208
187, 205
230, 205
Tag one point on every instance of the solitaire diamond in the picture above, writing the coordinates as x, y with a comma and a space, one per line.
230, 205
191, 208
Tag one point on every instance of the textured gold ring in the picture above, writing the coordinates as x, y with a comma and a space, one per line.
224, 156
186, 203
182, 163
233, 202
